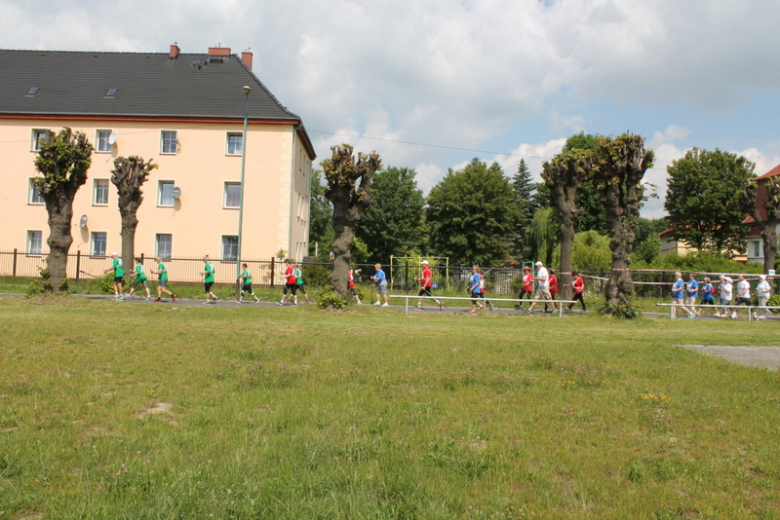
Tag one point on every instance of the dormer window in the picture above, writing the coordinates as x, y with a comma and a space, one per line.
112, 92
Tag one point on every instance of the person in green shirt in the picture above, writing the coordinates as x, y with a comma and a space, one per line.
140, 278
162, 271
299, 282
119, 273
208, 280
246, 284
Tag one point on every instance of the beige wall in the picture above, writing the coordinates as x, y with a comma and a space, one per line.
275, 197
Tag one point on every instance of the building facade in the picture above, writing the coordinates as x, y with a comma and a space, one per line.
185, 112
755, 249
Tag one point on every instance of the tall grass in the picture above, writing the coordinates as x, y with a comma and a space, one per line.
162, 412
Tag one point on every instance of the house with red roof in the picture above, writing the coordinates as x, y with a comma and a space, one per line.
755, 244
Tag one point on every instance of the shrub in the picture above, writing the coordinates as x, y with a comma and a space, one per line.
107, 283
329, 299
316, 275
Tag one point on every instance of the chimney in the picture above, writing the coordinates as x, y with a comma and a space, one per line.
246, 57
219, 51
175, 50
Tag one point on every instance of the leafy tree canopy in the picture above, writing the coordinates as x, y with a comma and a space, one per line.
704, 190
472, 213
321, 213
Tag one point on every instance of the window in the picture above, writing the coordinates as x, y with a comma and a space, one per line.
235, 143
168, 145
229, 248
37, 137
101, 192
103, 146
232, 195
35, 196
111, 92
163, 245
33, 91
166, 194
34, 243
756, 249
98, 244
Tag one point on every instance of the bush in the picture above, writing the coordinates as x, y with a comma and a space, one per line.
316, 275
107, 283
330, 299
624, 310
774, 301
38, 288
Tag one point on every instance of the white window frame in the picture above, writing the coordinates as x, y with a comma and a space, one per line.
175, 142
160, 184
225, 195
35, 141
234, 152
92, 252
757, 249
101, 144
29, 249
95, 192
33, 194
157, 251
223, 243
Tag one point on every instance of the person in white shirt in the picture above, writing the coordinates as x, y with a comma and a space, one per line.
542, 286
724, 297
764, 291
743, 295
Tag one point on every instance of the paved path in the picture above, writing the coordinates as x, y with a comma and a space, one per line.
760, 357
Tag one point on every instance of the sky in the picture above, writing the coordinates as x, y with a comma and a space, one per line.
431, 84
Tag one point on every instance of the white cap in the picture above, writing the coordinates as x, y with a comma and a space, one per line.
729, 280
424, 262
538, 263
762, 277
113, 254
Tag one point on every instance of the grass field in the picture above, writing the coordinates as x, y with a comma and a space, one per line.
136, 411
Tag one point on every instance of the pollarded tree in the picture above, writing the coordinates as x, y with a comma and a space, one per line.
563, 175
63, 161
703, 199
619, 167
128, 175
349, 200
472, 214
768, 219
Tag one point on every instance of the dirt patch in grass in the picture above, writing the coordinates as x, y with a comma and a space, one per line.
162, 408
759, 357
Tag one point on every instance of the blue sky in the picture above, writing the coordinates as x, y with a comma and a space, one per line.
509, 76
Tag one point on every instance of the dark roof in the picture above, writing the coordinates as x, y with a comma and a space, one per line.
148, 85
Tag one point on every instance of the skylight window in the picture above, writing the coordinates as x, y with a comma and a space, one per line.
112, 92
33, 91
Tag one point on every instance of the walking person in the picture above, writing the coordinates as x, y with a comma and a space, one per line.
474, 290
140, 278
578, 285
426, 284
246, 284
208, 280
692, 292
290, 284
482, 288
119, 273
707, 295
351, 286
764, 291
527, 287
678, 290
724, 296
299, 282
381, 285
743, 296
542, 287
162, 272
553, 287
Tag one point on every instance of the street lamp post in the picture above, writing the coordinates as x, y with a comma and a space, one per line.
246, 90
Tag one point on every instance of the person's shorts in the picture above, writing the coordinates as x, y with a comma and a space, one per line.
118, 279
247, 288
382, 288
208, 285
425, 291
690, 300
724, 301
292, 287
744, 301
162, 283
708, 302
543, 293
138, 282
301, 288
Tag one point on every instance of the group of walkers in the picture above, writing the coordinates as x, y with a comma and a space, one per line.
685, 294
140, 279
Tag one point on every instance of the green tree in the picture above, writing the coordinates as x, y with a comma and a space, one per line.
543, 233
472, 213
592, 214
321, 213
128, 175
767, 217
63, 161
704, 198
525, 194
392, 225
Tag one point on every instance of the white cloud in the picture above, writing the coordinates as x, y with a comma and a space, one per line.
764, 161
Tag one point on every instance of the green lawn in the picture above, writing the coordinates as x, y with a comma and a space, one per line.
141, 411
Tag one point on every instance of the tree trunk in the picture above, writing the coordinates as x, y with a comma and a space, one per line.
769, 237
128, 176
129, 224
568, 218
60, 210
341, 251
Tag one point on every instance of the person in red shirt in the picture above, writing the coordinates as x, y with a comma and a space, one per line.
528, 286
553, 281
351, 286
578, 284
291, 283
426, 284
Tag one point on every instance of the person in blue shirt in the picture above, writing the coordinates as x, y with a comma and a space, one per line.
707, 294
692, 292
381, 285
474, 290
678, 288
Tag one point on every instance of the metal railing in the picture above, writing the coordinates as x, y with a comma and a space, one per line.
407, 297
750, 308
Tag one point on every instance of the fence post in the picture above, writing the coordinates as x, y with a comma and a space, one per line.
272, 272
14, 271
78, 264
142, 258
406, 276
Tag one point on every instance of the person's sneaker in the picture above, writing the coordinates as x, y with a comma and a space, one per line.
257, 300
473, 311
206, 302
418, 309
174, 297
285, 300
385, 305
280, 303
755, 316
128, 295
692, 315
158, 300
360, 303
441, 305
216, 298
733, 315
378, 304
239, 301
490, 304
295, 303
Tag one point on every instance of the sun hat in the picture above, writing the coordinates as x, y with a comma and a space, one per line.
538, 263
424, 262
729, 280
